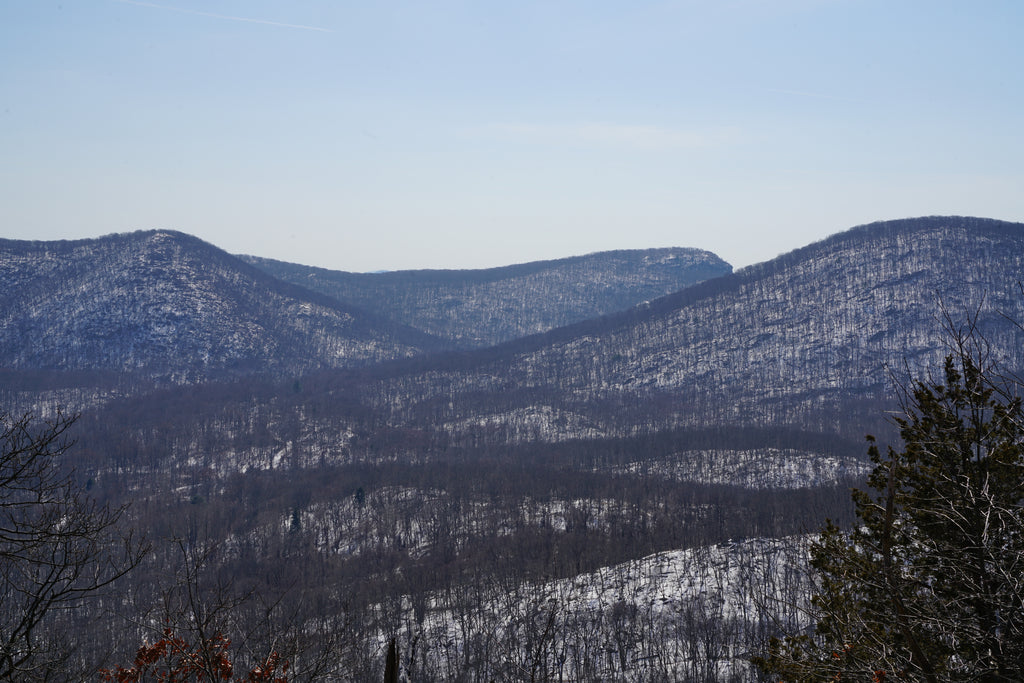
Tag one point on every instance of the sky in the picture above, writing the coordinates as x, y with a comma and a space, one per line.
368, 136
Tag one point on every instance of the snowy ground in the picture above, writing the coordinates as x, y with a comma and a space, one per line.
687, 615
754, 468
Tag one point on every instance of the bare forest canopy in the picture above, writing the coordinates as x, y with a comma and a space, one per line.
378, 456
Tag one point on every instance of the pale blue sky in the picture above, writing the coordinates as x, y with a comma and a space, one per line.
385, 135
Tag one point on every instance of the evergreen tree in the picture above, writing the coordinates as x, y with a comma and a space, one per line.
929, 585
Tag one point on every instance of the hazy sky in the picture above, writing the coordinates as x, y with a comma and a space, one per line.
362, 135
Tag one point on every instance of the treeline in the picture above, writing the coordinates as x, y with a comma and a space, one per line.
339, 556
693, 615
471, 581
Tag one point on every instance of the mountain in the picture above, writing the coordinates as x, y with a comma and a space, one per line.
448, 496
768, 377
477, 308
165, 305
815, 338
756, 372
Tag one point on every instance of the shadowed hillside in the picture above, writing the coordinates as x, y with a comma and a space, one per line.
477, 308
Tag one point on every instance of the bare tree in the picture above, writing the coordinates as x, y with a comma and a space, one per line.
58, 547
218, 618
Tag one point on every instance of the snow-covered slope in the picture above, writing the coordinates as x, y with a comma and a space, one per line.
475, 308
167, 305
688, 615
812, 338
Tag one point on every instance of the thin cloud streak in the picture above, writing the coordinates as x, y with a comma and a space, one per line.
248, 20
617, 134
814, 95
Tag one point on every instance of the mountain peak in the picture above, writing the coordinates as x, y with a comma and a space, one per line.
168, 305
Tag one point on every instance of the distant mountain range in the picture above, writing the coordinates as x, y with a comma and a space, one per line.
812, 342
166, 305
476, 308
170, 306
815, 338
402, 452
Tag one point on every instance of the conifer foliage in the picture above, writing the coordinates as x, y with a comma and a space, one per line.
929, 585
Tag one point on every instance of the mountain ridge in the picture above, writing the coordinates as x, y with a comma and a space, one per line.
165, 303
809, 330
732, 409
813, 343
482, 307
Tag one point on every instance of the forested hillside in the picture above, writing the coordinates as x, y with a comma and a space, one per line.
476, 308
168, 306
624, 497
815, 338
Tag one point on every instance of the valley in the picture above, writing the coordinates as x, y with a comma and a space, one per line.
601, 467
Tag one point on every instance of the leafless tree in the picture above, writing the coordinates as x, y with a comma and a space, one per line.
58, 547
